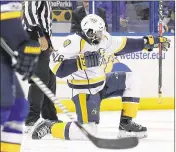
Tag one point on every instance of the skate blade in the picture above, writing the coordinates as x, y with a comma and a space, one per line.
29, 129
139, 135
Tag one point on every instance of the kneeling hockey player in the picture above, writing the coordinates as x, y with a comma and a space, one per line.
81, 60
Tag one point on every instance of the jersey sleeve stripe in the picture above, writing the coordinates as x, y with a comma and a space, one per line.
85, 82
88, 86
56, 67
124, 40
82, 44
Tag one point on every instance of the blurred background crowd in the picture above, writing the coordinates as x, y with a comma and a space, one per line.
120, 16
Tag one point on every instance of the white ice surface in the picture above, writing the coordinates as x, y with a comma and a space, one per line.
160, 138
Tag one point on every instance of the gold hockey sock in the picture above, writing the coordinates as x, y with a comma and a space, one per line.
61, 130
130, 109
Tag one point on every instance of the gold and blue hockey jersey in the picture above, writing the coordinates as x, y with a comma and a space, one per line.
92, 80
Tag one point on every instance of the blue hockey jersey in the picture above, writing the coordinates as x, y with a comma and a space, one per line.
11, 24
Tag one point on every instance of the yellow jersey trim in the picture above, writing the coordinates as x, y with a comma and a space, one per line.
83, 106
56, 67
124, 40
10, 15
105, 37
85, 82
82, 44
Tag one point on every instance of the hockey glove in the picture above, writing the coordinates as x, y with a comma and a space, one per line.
88, 60
153, 42
27, 57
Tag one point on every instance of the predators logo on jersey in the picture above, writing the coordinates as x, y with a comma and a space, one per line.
67, 42
109, 61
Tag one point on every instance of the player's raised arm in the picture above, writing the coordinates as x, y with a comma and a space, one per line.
130, 45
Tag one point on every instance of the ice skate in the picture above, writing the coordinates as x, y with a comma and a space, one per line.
42, 129
128, 128
28, 129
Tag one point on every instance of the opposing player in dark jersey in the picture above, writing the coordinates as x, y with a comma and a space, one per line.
14, 107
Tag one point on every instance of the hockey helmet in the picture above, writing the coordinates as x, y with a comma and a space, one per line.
93, 27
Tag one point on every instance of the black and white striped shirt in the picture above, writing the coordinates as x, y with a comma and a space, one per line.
38, 17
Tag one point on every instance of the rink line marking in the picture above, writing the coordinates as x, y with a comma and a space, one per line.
153, 121
149, 128
161, 129
147, 139
156, 140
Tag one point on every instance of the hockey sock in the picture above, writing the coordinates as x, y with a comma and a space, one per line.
70, 131
130, 106
61, 130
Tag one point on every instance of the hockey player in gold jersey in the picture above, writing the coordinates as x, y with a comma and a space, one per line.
81, 59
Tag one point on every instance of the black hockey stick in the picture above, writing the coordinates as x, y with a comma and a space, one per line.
160, 51
123, 143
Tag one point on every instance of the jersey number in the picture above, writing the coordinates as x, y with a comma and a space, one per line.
57, 57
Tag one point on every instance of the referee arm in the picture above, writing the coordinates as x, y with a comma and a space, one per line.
31, 18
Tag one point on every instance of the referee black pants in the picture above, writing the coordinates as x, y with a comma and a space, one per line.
39, 103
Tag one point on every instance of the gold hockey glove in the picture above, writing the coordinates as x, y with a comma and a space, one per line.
153, 42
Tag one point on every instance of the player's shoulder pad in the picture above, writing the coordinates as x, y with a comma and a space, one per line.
71, 40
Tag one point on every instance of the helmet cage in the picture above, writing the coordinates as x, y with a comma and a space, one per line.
94, 35
93, 27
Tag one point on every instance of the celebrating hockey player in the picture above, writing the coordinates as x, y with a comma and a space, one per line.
81, 60
14, 107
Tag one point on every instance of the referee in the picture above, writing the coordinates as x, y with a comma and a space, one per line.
37, 20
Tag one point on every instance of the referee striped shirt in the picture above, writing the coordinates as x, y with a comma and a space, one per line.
38, 16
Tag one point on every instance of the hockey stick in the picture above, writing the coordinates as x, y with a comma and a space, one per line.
123, 143
160, 51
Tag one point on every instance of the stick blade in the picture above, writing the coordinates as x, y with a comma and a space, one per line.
122, 143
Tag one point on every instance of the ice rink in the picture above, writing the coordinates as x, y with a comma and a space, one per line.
160, 138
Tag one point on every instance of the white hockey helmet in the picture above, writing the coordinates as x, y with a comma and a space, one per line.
93, 27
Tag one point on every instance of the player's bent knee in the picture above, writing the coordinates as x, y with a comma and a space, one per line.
131, 95
132, 85
70, 131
